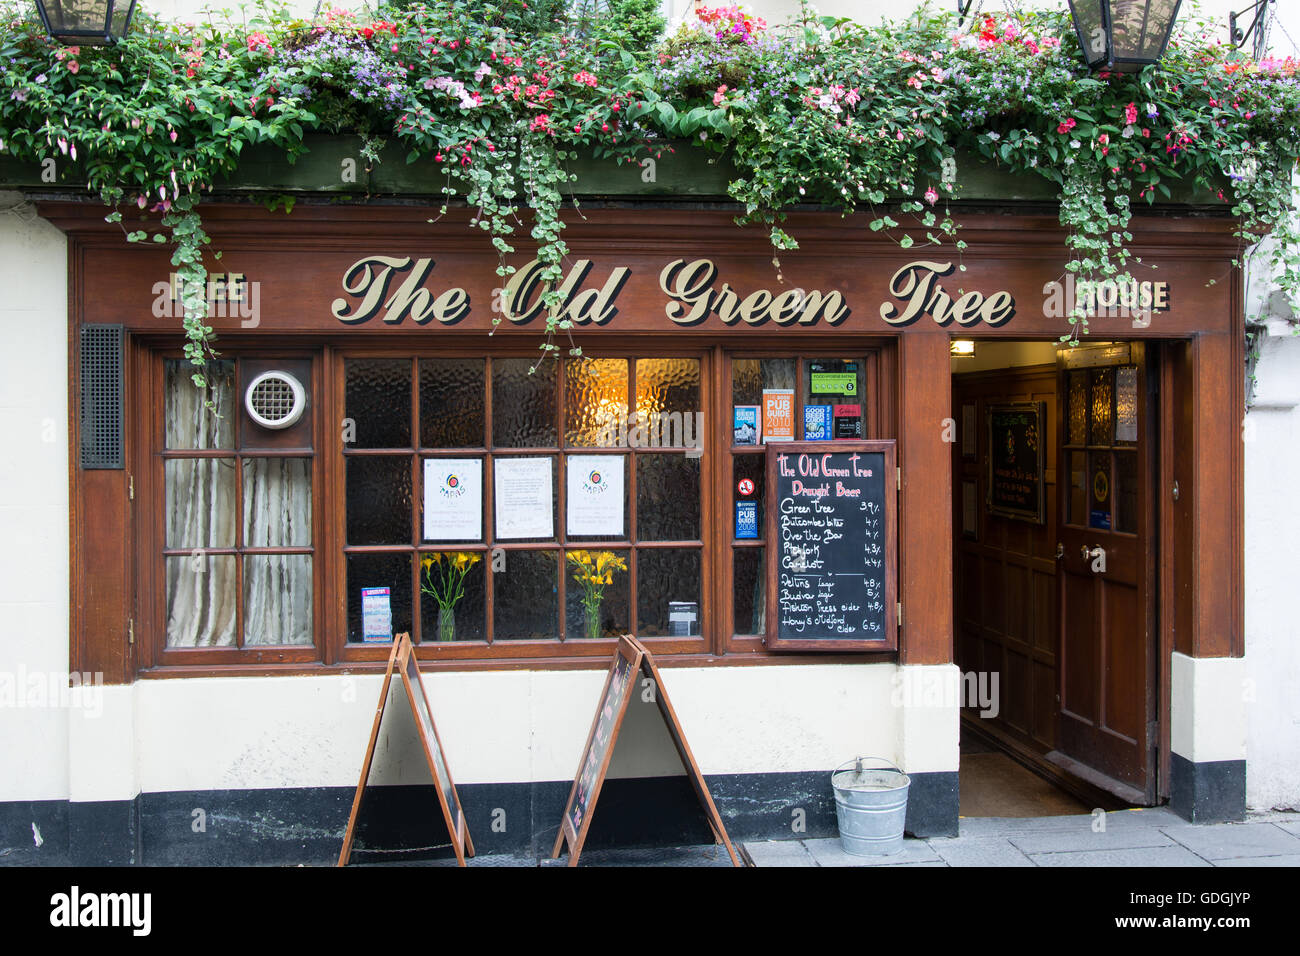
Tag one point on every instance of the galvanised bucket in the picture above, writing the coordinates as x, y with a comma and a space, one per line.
871, 804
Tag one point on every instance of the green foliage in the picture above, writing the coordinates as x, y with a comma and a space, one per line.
498, 95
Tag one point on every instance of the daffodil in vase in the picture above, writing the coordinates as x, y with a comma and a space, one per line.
444, 581
594, 571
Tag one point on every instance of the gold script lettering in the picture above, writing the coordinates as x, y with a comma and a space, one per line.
917, 287
370, 278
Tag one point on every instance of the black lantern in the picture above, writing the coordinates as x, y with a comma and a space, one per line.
89, 22
1123, 35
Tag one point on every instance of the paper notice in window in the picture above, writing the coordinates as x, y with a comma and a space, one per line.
453, 499
523, 498
595, 494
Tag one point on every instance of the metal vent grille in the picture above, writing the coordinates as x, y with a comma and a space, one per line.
101, 397
275, 399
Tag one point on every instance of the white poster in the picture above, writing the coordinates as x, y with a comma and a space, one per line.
595, 494
523, 498
453, 499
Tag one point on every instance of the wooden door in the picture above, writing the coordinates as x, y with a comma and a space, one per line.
1106, 679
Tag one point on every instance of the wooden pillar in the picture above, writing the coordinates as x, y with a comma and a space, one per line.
1213, 471
925, 502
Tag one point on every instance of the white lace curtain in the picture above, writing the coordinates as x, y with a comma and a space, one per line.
201, 515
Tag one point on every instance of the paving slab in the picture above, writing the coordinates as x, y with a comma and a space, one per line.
1142, 856
830, 853
1290, 826
1286, 859
1066, 841
1119, 819
779, 853
960, 852
1228, 840
708, 855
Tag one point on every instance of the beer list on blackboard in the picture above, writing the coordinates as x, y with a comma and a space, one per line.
831, 527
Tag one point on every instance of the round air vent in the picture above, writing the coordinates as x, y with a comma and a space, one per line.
275, 399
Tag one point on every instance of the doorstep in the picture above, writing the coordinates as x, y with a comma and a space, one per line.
1146, 837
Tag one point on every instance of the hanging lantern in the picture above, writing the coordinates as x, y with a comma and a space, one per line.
88, 22
1123, 35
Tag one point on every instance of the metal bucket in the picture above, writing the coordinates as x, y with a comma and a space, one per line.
871, 804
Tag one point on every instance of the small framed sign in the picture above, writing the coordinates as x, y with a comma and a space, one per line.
1016, 438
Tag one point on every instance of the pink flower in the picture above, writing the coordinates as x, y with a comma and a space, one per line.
931, 196
719, 95
1130, 114
73, 66
258, 41
1066, 126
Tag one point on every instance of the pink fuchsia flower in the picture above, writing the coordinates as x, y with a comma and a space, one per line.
1066, 126
931, 196
1130, 114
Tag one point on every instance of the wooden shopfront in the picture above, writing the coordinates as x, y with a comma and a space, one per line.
219, 547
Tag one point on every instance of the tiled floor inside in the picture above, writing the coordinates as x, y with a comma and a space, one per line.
994, 785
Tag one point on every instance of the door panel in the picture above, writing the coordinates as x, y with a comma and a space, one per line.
1106, 531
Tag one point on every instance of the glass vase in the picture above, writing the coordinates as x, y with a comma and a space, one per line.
593, 620
446, 624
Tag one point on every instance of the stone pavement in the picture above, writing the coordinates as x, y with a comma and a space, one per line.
1146, 837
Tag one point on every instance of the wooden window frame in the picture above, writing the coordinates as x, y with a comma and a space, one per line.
717, 642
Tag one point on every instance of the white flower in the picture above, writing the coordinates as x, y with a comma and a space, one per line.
993, 136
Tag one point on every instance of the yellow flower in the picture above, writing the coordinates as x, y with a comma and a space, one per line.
426, 561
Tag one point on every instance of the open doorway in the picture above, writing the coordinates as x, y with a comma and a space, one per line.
1054, 576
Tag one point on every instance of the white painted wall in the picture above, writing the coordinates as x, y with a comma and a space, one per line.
514, 726
33, 505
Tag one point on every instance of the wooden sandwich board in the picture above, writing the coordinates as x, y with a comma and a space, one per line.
631, 659
403, 658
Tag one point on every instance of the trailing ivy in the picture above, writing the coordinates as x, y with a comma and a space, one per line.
499, 95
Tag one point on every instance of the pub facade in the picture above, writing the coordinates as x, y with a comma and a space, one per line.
381, 448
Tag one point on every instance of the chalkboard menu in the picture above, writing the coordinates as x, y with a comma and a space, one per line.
831, 529
432, 745
1015, 455
631, 658
593, 765
401, 661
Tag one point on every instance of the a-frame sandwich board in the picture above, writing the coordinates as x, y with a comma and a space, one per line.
631, 658
403, 659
